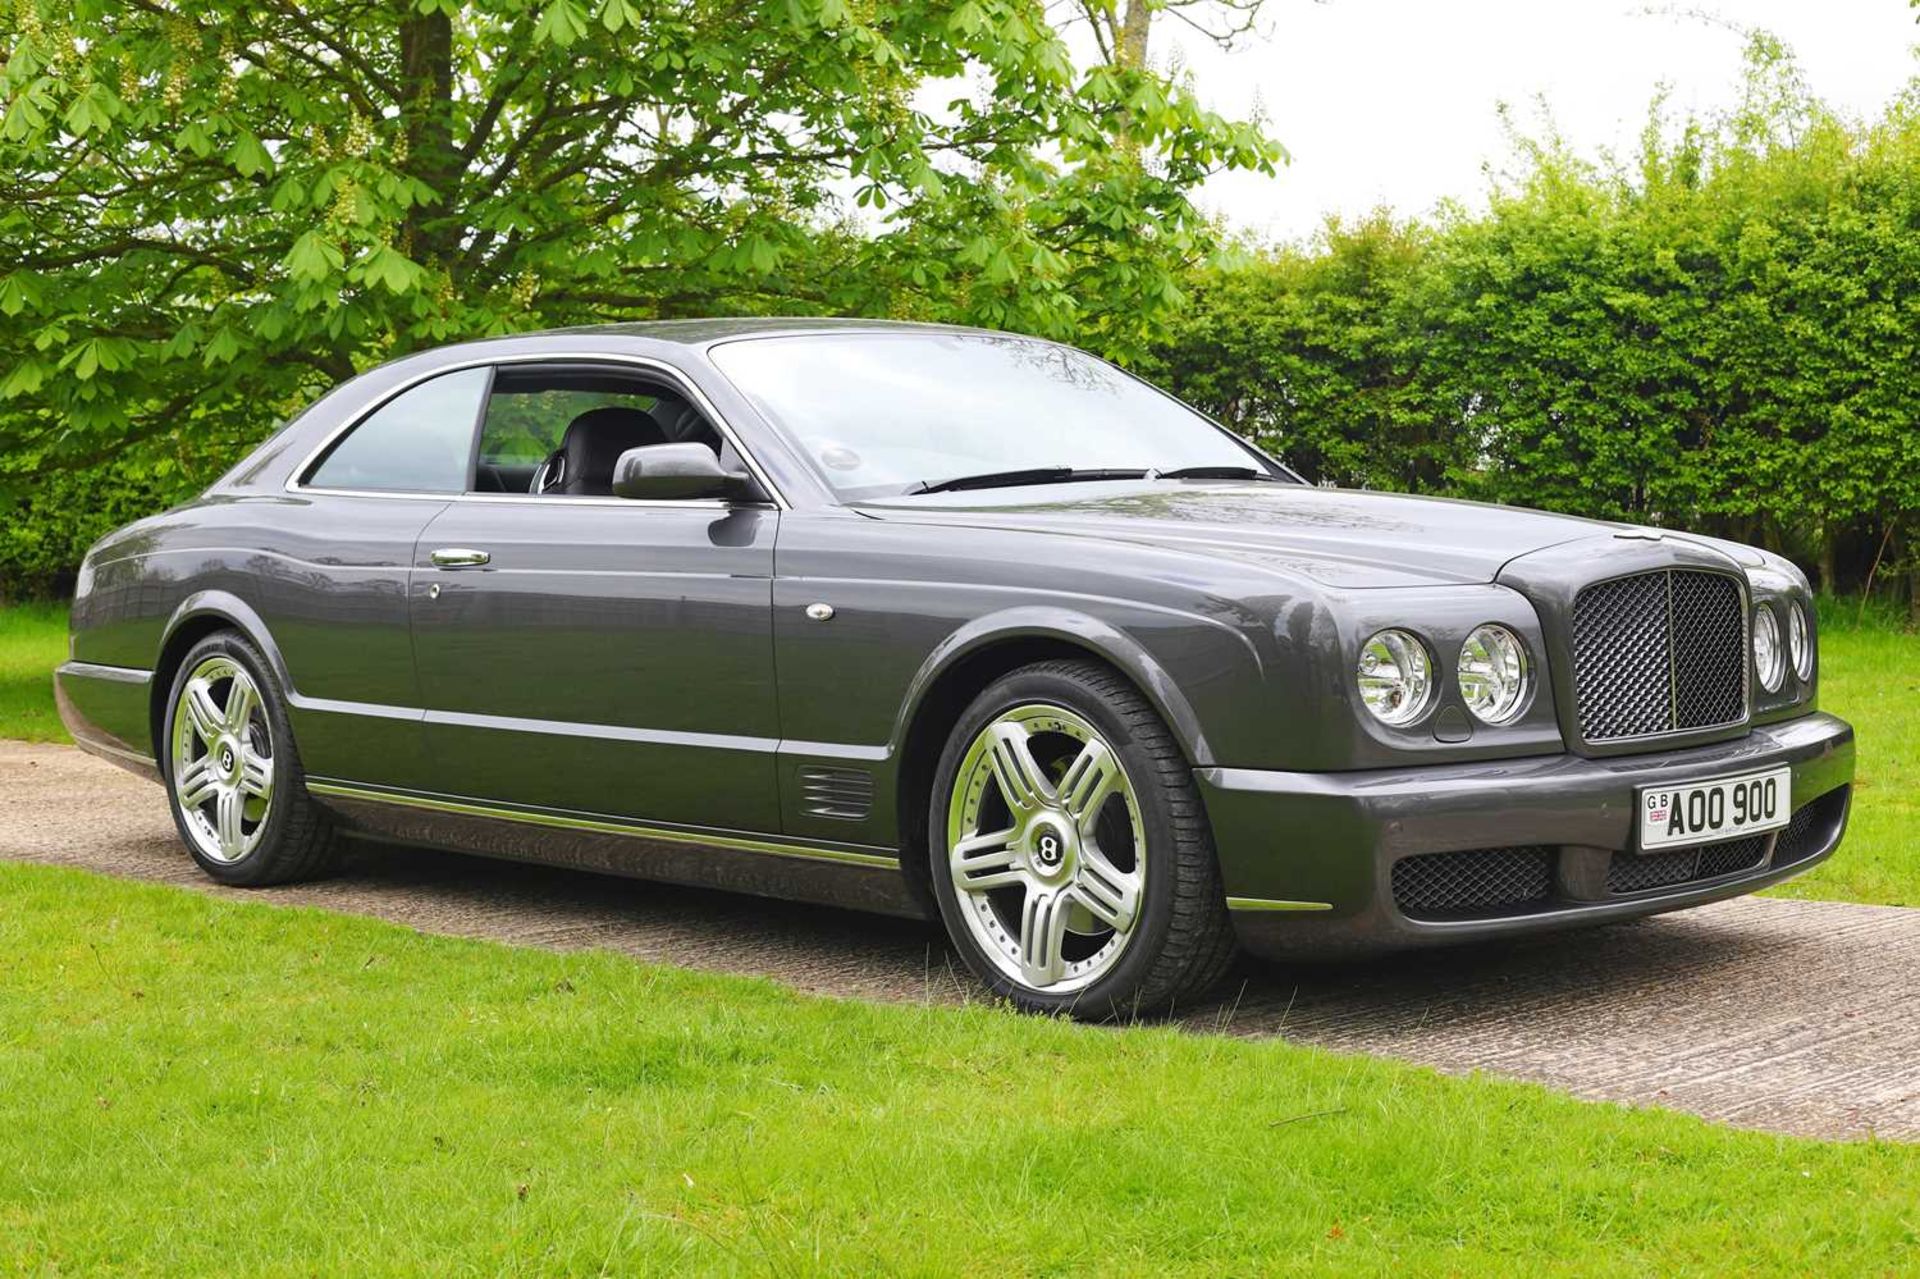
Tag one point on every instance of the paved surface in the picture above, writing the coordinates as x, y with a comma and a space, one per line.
1801, 1017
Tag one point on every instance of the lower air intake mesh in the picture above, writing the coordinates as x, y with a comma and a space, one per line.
1812, 828
1637, 872
1478, 881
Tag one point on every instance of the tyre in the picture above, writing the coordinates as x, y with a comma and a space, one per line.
233, 777
1071, 856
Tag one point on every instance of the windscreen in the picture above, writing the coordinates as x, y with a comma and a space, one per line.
885, 413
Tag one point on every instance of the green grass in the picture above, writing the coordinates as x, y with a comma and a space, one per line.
33, 640
1870, 674
197, 1086
1871, 677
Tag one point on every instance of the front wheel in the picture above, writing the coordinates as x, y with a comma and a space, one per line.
233, 777
1071, 857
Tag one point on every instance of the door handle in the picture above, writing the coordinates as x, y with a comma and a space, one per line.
458, 557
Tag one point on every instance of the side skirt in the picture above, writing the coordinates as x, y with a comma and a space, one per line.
767, 867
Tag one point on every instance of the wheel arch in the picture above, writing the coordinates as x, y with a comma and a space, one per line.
198, 616
978, 654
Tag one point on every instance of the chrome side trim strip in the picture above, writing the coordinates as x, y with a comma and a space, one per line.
143, 766
117, 753
1270, 903
602, 732
94, 670
372, 710
601, 826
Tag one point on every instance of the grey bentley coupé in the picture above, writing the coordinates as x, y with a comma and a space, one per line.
953, 624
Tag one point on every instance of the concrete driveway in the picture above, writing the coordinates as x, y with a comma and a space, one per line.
1799, 1017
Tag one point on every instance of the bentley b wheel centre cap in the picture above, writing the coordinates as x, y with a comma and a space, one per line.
222, 760
1050, 849
1046, 849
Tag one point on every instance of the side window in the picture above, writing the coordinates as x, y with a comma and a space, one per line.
419, 441
527, 422
557, 430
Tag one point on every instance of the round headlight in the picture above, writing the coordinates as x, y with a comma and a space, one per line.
1768, 660
1493, 674
1800, 643
1396, 677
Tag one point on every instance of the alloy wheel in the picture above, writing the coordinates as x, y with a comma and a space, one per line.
222, 757
1046, 848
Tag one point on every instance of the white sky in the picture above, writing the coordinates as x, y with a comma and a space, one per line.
1393, 101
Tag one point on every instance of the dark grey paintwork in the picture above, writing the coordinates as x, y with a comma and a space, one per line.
640, 687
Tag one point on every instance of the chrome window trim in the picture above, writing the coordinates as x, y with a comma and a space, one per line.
778, 499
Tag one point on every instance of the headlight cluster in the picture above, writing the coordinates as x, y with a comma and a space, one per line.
1769, 663
1494, 674
1771, 657
1800, 643
1397, 685
1396, 677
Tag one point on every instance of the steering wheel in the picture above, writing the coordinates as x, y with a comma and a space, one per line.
551, 473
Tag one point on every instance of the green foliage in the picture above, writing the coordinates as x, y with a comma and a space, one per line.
212, 209
1722, 337
52, 521
1321, 356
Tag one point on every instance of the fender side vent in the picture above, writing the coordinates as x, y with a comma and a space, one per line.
845, 793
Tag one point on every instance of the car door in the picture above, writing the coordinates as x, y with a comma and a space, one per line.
591, 654
331, 580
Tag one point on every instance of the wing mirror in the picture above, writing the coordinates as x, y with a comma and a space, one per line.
675, 472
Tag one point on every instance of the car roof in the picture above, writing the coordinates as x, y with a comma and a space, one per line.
700, 332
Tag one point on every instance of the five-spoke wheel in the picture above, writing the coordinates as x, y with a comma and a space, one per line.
1046, 848
222, 760
1070, 858
233, 775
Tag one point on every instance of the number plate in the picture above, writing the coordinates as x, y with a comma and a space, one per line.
1707, 812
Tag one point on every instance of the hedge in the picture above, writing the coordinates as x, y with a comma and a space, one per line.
1724, 335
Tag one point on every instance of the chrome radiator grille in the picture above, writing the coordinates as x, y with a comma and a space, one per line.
1659, 652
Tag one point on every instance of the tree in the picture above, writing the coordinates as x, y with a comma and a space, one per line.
210, 208
1121, 29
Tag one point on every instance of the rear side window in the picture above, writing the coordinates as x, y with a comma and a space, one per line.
420, 441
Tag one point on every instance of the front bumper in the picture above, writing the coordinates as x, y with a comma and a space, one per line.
1308, 858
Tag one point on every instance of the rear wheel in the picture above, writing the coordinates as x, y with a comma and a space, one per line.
233, 776
1072, 861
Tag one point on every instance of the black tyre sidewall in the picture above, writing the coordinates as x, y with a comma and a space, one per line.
259, 865
1113, 995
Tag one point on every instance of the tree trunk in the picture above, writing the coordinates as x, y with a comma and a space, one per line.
426, 79
1133, 35
1829, 563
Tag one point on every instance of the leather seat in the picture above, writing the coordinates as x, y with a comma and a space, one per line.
684, 424
583, 464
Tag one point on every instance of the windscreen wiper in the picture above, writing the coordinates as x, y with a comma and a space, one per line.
1032, 475
1217, 473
